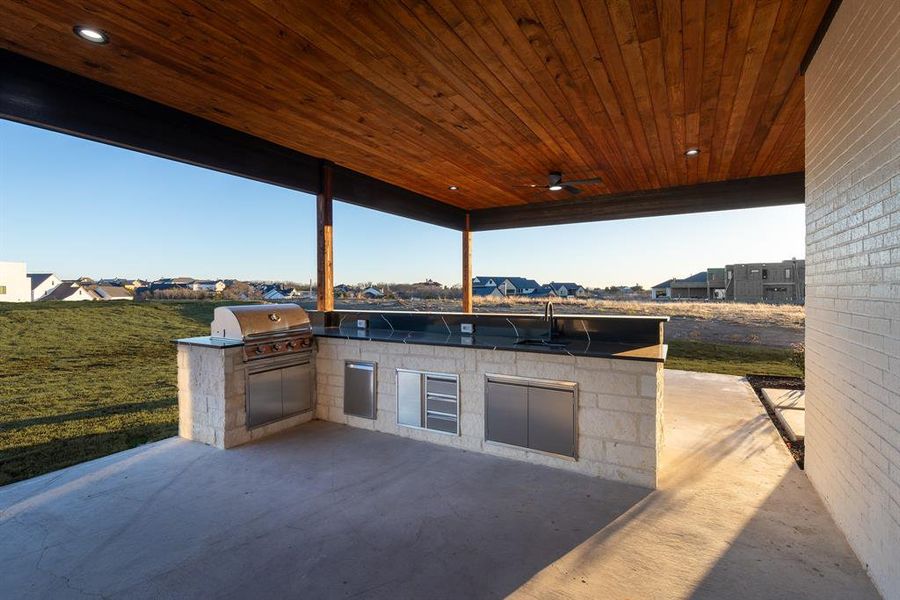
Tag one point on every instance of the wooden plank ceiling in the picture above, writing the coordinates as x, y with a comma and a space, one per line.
481, 95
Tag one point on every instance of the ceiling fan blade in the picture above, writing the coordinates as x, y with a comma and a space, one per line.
585, 181
571, 189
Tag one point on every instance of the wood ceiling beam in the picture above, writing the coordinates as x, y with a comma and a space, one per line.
772, 190
37, 94
467, 267
827, 18
325, 241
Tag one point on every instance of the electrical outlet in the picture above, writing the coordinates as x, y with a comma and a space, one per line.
361, 323
466, 328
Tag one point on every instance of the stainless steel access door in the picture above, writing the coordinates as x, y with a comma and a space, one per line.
298, 388
506, 413
551, 420
263, 397
409, 398
359, 389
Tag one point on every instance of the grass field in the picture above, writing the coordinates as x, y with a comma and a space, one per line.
789, 316
82, 380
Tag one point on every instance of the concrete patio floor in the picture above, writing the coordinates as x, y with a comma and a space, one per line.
325, 511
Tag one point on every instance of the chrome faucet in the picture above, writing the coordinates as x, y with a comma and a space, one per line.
548, 316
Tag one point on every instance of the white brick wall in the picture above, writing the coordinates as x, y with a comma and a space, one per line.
853, 281
619, 414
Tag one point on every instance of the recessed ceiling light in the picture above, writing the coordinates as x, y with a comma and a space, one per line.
692, 152
453, 188
555, 188
90, 34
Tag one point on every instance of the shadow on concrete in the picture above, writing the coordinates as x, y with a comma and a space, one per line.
787, 549
734, 518
22, 462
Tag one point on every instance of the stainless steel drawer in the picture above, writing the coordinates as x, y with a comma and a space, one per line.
428, 400
440, 423
440, 405
440, 386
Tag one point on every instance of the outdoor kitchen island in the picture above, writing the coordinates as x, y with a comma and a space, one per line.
585, 394
576, 392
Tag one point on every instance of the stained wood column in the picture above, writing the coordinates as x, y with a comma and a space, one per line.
325, 253
467, 267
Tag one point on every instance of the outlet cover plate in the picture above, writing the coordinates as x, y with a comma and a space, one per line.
466, 328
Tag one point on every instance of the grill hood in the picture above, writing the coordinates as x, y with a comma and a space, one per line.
259, 321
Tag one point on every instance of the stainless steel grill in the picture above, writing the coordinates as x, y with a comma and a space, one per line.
267, 330
280, 375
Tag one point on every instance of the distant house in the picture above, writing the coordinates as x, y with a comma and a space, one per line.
42, 284
545, 291
343, 290
274, 292
15, 286
372, 292
209, 285
717, 282
693, 287
71, 291
183, 280
568, 289
112, 292
428, 283
779, 282
508, 286
486, 291
162, 285
749, 282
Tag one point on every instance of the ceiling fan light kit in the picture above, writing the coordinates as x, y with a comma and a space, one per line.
555, 183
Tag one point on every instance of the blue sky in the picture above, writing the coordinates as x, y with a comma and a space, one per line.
76, 208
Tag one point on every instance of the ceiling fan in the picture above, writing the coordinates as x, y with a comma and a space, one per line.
555, 183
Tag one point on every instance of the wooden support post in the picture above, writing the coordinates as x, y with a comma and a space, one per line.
467, 267
325, 254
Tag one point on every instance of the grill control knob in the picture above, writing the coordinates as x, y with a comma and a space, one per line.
276, 347
292, 344
259, 349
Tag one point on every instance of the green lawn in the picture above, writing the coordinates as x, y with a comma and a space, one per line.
82, 380
731, 359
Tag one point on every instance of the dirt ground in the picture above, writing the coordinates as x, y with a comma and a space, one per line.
777, 326
729, 332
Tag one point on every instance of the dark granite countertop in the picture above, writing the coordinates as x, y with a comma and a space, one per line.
571, 347
209, 342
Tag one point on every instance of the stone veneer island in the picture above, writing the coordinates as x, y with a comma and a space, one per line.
610, 367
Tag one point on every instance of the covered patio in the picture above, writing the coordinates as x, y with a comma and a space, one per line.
330, 511
493, 115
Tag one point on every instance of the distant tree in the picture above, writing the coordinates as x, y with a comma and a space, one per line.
241, 291
637, 288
